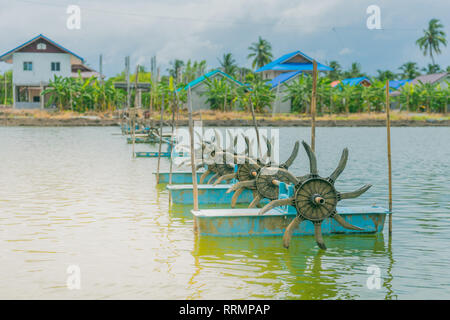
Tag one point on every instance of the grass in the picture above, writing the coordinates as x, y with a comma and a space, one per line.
229, 115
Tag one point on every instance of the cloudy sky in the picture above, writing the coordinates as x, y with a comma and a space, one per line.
206, 29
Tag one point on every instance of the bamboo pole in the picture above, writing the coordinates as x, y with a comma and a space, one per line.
388, 127
6, 88
255, 124
135, 105
194, 173
313, 107
174, 111
160, 139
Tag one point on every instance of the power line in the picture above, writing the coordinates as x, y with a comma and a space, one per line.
212, 21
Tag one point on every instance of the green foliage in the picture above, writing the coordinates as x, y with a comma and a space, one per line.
219, 93
81, 95
6, 91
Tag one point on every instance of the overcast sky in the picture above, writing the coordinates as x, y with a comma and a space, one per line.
206, 29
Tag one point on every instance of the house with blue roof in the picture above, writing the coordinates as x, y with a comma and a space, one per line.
199, 87
284, 70
37, 61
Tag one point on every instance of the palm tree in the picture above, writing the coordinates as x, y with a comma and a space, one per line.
432, 68
432, 38
354, 71
175, 69
228, 64
410, 70
336, 73
261, 51
385, 75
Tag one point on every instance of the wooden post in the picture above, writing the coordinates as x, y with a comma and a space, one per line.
42, 98
127, 75
160, 139
100, 67
313, 107
174, 111
6, 88
134, 108
277, 97
255, 124
388, 127
194, 173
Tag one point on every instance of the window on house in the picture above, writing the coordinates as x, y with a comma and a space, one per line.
27, 66
41, 46
36, 99
56, 66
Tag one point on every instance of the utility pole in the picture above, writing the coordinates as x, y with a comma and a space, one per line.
100, 68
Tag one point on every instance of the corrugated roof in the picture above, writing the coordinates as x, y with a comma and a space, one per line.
282, 78
280, 64
429, 78
350, 81
354, 81
395, 84
35, 38
195, 82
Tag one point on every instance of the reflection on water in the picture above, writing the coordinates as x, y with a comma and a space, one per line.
74, 196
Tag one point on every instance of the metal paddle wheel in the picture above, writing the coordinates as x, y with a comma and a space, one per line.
315, 199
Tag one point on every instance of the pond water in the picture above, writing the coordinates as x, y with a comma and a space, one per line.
74, 196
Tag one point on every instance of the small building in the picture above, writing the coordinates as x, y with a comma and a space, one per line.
284, 70
35, 63
199, 87
360, 81
440, 78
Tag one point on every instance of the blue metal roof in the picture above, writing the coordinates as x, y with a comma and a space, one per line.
395, 84
280, 64
43, 37
193, 83
282, 78
354, 81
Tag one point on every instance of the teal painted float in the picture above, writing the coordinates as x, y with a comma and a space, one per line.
207, 194
248, 222
184, 177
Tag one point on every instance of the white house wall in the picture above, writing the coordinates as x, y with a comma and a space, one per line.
41, 67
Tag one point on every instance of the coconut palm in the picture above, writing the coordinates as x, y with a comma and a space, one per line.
261, 52
336, 73
432, 68
228, 64
384, 75
410, 70
354, 71
433, 37
175, 69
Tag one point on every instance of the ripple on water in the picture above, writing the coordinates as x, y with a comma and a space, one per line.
74, 196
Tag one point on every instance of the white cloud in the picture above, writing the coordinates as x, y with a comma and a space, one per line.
205, 29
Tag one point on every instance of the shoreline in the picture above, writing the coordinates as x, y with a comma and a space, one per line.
86, 122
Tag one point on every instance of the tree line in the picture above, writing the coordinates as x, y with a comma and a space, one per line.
81, 95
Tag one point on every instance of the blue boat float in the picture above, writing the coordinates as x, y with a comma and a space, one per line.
155, 154
184, 177
207, 194
248, 222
